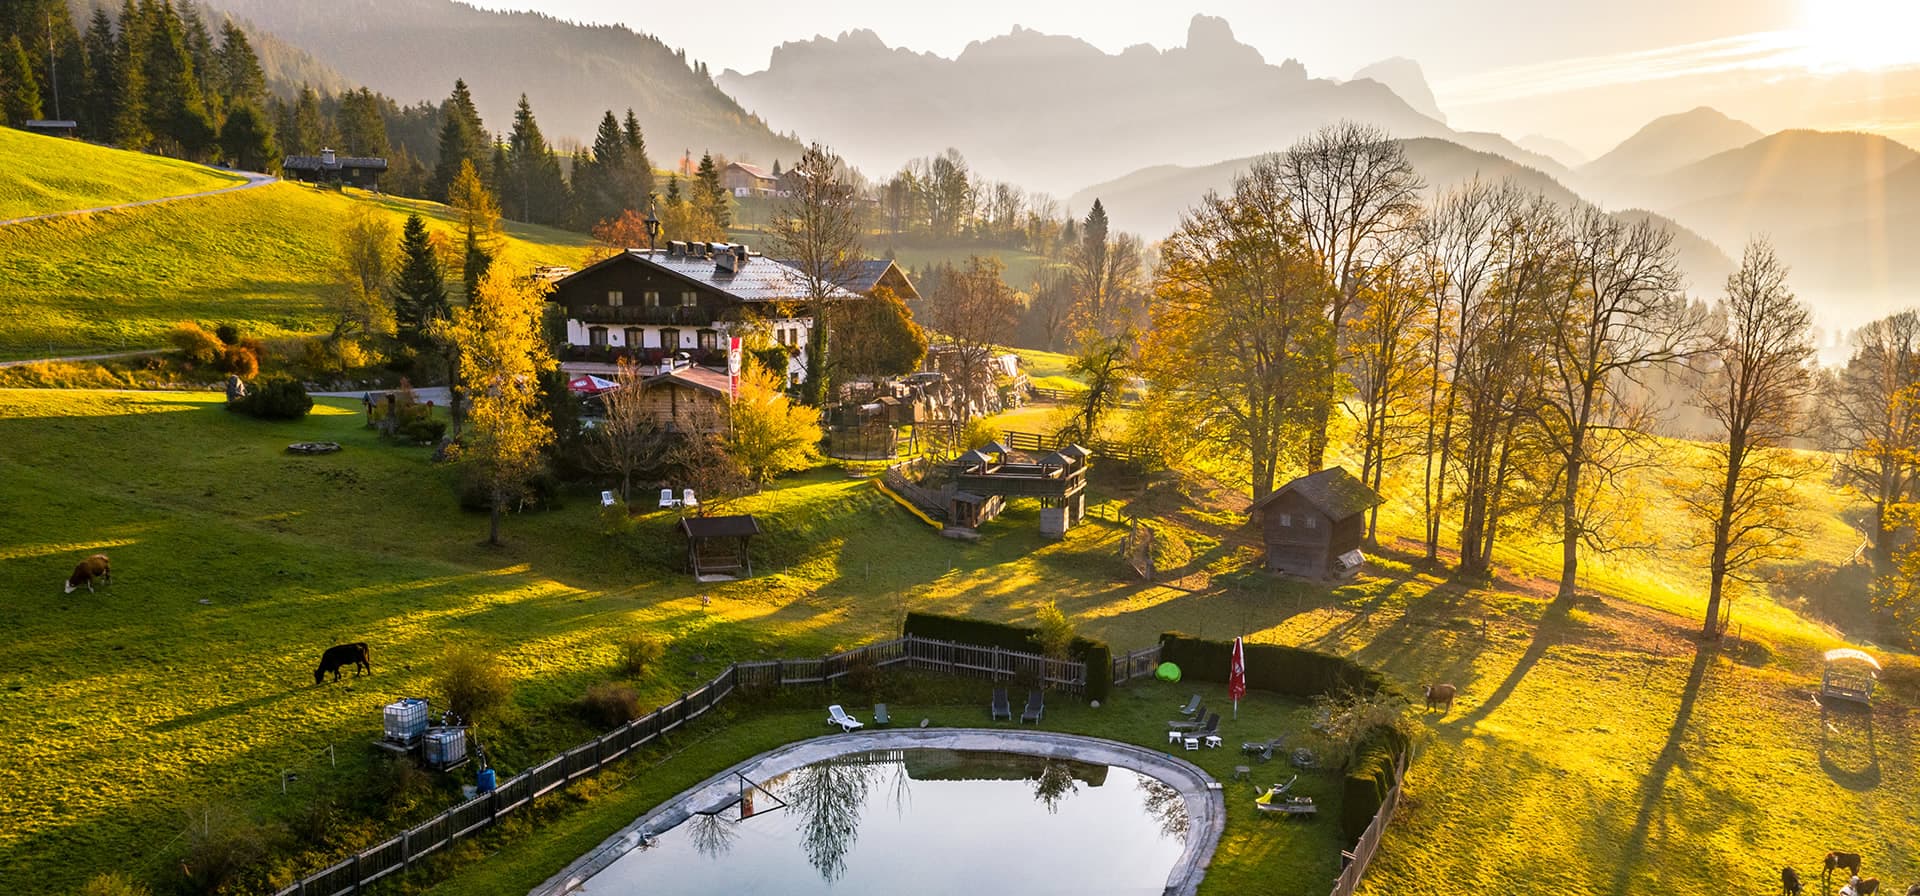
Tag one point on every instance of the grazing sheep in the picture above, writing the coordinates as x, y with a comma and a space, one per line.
1440, 695
94, 567
355, 654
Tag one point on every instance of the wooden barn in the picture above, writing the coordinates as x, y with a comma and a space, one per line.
1314, 525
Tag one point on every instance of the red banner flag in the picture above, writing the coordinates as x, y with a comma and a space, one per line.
1237, 676
733, 368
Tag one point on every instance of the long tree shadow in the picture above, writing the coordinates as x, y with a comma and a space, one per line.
1848, 752
1547, 633
1654, 785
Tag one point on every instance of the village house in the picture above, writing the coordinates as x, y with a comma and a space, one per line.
744, 180
330, 167
654, 306
1314, 525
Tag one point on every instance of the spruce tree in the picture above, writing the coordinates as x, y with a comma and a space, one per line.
462, 139
246, 138
363, 130
240, 79
639, 184
202, 53
420, 286
711, 193
96, 103
176, 111
309, 134
534, 189
129, 122
19, 89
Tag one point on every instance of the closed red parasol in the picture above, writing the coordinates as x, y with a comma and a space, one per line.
1237, 676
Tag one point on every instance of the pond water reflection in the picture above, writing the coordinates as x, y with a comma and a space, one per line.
925, 821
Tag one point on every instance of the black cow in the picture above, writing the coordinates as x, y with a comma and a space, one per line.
1789, 882
339, 655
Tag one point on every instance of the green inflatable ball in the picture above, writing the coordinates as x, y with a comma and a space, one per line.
1167, 672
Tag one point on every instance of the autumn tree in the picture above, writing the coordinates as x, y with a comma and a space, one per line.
1104, 363
1875, 401
1238, 337
1352, 188
363, 270
478, 217
1385, 357
766, 433
975, 310
1619, 313
1107, 269
817, 229
1456, 258
878, 337
502, 354
630, 441
1757, 394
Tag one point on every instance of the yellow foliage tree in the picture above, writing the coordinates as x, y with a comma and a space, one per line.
502, 354
767, 434
479, 216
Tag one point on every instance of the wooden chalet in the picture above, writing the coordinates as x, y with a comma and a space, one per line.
1314, 525
744, 180
330, 167
653, 305
689, 399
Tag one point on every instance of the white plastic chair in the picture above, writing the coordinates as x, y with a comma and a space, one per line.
688, 500
838, 716
667, 501
606, 499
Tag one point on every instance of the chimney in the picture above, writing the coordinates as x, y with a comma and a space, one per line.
739, 256
327, 157
676, 247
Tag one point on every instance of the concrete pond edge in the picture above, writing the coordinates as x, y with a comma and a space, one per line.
1206, 805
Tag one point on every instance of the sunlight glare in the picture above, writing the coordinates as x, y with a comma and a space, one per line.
1855, 35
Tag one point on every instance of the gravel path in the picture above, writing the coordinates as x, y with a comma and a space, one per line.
252, 180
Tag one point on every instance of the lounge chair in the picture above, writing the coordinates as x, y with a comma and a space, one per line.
1263, 750
1210, 728
1199, 715
1002, 709
1036, 706
1193, 706
880, 715
687, 499
838, 716
667, 500
1275, 799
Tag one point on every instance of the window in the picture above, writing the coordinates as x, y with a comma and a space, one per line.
709, 340
669, 339
1286, 519
615, 298
1310, 522
597, 336
635, 337
689, 299
650, 298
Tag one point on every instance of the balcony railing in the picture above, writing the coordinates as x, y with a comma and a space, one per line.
673, 315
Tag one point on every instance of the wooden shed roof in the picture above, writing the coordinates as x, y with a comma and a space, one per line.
1334, 491
720, 526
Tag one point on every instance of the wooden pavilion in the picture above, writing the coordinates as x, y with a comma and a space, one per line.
717, 546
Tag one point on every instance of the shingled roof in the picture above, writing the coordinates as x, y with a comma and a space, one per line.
319, 163
1334, 491
756, 278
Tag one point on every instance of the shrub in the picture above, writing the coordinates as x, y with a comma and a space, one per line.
615, 521
275, 398
400, 786
1293, 671
977, 432
113, 883
473, 682
240, 361
1370, 774
542, 493
1053, 631
422, 430
225, 853
228, 333
609, 704
195, 343
640, 653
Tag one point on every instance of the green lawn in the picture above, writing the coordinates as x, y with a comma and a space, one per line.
49, 174
1592, 749
259, 258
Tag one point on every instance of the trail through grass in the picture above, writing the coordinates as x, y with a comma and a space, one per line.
48, 174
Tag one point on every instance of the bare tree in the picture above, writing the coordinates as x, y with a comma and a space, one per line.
1457, 257
1758, 393
818, 229
1621, 312
1352, 187
1386, 358
631, 441
974, 310
1876, 406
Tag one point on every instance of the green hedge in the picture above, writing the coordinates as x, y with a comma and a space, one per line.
1293, 671
1097, 656
1369, 777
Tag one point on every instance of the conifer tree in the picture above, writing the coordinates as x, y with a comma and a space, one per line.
479, 217
247, 141
639, 183
240, 79
129, 122
176, 110
19, 90
462, 139
309, 134
102, 91
363, 130
712, 194
534, 188
420, 286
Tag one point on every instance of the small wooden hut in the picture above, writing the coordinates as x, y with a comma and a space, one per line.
717, 546
1314, 525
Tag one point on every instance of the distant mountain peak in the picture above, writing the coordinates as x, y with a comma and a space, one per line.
1407, 80
1671, 141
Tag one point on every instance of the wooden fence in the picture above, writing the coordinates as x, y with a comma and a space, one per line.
1136, 664
1045, 394
362, 869
1034, 443
1361, 855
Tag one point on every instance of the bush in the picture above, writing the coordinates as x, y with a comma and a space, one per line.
228, 333
543, 493
1053, 631
240, 361
195, 343
473, 682
113, 883
609, 704
1097, 656
1370, 774
226, 853
640, 653
1292, 671
399, 785
275, 398
422, 430
615, 521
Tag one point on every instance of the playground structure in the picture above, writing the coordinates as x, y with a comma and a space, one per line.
1850, 675
993, 471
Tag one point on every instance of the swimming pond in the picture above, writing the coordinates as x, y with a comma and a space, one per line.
930, 821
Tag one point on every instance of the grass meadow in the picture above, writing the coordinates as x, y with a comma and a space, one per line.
50, 174
1593, 749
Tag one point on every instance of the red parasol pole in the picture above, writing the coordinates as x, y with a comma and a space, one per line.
1237, 677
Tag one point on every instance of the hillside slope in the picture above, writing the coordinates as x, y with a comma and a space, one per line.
48, 174
260, 258
570, 73
1667, 143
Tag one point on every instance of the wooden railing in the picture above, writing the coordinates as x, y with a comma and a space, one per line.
1361, 855
1136, 664
362, 869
